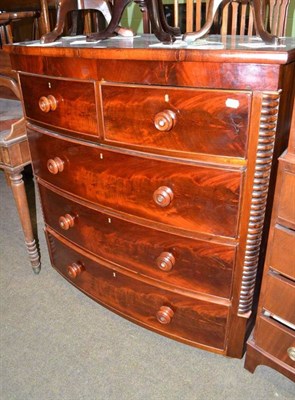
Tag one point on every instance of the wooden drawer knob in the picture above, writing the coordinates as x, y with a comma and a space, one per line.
291, 353
48, 103
165, 315
66, 221
165, 120
55, 165
163, 196
165, 261
74, 270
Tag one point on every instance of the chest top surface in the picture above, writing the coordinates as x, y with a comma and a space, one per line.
147, 47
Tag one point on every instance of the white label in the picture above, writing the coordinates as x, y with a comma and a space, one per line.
232, 103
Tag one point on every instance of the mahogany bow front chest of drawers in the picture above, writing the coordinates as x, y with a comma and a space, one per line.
153, 167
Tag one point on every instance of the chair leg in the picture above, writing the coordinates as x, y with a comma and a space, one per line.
19, 194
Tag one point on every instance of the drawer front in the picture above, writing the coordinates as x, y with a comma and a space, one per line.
193, 320
279, 298
75, 103
191, 264
183, 120
286, 210
191, 197
282, 251
275, 339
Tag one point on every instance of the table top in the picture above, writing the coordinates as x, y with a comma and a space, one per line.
216, 48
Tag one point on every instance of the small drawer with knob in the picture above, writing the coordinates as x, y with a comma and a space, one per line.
60, 104
192, 264
195, 197
180, 121
188, 319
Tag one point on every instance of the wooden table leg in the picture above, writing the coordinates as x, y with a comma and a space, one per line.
19, 194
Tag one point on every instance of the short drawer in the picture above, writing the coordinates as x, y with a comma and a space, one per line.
279, 297
177, 316
183, 120
60, 103
275, 339
286, 209
196, 265
282, 251
191, 197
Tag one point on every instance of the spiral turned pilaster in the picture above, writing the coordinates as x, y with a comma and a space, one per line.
266, 140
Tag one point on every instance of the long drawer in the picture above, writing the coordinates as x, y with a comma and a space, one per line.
193, 197
61, 103
177, 316
279, 297
282, 251
191, 264
185, 120
286, 208
276, 339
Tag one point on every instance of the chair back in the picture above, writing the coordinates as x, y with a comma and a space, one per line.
232, 18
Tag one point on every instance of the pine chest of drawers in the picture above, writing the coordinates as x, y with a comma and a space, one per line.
154, 168
273, 340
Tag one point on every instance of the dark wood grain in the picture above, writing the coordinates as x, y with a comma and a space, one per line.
206, 121
202, 266
237, 75
205, 199
197, 198
76, 103
194, 321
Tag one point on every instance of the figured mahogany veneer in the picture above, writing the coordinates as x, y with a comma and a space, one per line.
200, 121
60, 103
141, 300
204, 198
191, 264
154, 167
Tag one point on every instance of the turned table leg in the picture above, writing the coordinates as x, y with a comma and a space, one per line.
19, 194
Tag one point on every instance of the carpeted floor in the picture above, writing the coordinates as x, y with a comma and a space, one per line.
58, 344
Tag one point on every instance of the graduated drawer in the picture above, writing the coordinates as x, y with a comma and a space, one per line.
184, 318
191, 264
183, 120
275, 339
282, 251
286, 208
279, 297
187, 196
61, 103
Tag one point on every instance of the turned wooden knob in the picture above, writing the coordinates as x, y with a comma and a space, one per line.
163, 196
74, 270
291, 353
66, 221
165, 315
166, 261
55, 165
48, 103
165, 120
